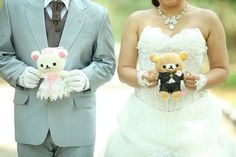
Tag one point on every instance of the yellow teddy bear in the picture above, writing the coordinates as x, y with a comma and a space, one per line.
169, 67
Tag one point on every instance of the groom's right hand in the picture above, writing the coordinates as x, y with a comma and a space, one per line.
29, 78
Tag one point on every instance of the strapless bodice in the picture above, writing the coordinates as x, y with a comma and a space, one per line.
154, 40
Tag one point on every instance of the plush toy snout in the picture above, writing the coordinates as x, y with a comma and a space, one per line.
171, 66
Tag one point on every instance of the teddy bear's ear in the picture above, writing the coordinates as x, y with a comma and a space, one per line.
35, 55
183, 55
154, 57
62, 53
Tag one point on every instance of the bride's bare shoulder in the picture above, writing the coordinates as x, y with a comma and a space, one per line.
205, 15
205, 19
140, 16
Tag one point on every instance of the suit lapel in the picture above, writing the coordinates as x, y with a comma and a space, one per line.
75, 20
36, 21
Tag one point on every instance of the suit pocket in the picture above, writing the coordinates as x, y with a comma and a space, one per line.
84, 101
20, 97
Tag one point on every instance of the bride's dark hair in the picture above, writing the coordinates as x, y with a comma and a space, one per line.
155, 3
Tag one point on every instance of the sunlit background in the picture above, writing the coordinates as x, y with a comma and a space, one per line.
112, 96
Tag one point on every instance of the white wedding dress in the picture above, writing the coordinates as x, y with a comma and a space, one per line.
149, 127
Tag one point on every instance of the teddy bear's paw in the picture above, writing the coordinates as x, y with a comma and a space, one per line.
176, 95
164, 95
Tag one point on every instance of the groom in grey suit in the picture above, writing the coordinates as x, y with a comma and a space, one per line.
66, 127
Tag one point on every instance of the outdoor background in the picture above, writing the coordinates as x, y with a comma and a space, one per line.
107, 103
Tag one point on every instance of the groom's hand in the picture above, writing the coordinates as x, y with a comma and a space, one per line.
76, 80
29, 78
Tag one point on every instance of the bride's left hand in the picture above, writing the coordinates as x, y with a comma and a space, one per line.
190, 80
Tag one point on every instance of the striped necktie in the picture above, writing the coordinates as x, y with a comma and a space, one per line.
56, 6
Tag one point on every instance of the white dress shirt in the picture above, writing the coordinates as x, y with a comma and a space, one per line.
49, 9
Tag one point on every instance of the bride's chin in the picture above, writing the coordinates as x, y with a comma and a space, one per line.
171, 3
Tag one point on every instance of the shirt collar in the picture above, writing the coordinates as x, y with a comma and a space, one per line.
66, 2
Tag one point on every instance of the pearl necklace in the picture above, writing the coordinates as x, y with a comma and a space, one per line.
172, 21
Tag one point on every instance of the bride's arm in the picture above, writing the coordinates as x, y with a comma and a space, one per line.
217, 53
128, 53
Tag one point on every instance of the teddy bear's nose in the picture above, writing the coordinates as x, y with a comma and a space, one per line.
47, 67
171, 66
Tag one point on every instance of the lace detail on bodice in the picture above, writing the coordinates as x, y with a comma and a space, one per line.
162, 151
153, 40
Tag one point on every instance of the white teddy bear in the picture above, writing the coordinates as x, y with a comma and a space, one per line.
50, 64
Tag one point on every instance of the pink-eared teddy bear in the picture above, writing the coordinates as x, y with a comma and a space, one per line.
50, 64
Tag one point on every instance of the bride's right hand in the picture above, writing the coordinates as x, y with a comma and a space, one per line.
151, 76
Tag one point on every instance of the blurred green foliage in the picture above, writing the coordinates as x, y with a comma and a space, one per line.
120, 10
1, 2
231, 81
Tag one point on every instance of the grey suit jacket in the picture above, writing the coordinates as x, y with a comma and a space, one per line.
87, 37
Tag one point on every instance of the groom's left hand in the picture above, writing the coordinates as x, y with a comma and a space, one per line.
76, 80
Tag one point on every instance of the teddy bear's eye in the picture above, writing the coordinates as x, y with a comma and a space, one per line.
41, 65
177, 65
164, 66
54, 64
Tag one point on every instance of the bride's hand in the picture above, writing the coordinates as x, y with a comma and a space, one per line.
151, 77
190, 80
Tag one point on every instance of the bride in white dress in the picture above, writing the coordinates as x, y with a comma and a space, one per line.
150, 127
